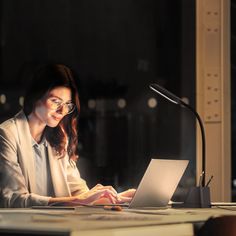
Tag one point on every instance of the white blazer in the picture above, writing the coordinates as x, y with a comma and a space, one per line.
17, 175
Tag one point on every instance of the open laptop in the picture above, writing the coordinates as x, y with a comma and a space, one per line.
158, 183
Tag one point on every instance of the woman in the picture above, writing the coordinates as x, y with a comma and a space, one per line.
38, 148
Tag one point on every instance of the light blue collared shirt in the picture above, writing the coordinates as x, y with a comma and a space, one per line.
43, 179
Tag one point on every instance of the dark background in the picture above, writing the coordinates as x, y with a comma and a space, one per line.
116, 49
233, 96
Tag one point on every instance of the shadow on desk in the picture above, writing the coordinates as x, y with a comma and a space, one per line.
32, 233
223, 225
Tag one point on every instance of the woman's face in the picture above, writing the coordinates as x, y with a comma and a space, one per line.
54, 106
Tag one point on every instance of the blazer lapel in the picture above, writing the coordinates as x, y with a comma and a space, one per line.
26, 155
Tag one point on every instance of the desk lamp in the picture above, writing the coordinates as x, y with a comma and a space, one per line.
197, 196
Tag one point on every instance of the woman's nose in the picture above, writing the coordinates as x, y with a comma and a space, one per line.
61, 109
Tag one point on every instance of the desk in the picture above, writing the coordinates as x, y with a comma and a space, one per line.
86, 221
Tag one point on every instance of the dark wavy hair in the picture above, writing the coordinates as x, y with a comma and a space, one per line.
64, 137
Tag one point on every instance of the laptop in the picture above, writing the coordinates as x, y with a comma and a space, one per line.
159, 183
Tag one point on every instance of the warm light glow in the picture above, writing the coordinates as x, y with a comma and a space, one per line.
234, 182
21, 100
3, 98
152, 102
91, 103
121, 103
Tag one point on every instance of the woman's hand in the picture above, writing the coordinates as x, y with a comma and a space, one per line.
126, 196
98, 195
106, 195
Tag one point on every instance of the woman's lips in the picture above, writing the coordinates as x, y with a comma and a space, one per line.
56, 118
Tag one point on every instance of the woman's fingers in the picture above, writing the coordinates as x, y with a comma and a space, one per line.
102, 201
126, 196
91, 196
113, 199
100, 187
127, 193
96, 186
123, 199
108, 194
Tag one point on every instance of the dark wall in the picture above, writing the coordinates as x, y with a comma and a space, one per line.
116, 48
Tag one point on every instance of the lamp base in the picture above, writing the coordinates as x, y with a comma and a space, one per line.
197, 197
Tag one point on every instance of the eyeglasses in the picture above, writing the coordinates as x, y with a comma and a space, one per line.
56, 104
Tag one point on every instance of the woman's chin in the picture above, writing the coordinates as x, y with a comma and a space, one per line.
53, 124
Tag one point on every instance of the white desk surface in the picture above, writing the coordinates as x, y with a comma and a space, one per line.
97, 221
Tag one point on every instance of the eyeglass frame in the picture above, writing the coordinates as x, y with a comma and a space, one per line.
60, 104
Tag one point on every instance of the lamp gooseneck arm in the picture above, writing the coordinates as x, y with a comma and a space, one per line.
203, 141
176, 100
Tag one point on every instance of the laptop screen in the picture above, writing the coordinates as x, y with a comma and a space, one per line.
159, 183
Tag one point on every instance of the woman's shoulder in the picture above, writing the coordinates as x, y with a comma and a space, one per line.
9, 125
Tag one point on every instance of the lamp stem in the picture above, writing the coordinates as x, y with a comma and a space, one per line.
203, 140
173, 98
